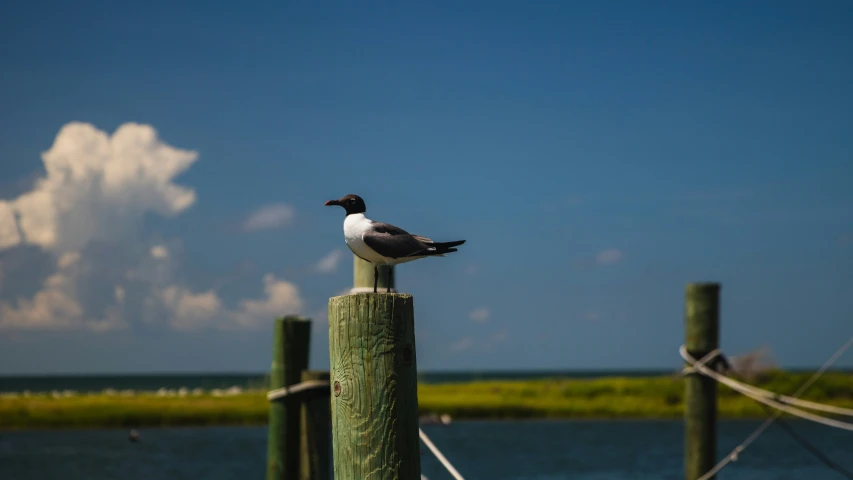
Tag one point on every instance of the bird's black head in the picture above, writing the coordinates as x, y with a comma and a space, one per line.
351, 203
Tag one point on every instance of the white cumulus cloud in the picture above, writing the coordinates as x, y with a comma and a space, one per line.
9, 235
83, 218
192, 311
281, 298
54, 306
269, 217
67, 259
329, 263
96, 187
188, 310
57, 304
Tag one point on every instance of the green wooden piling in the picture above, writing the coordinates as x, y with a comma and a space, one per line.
374, 387
314, 447
290, 357
362, 273
702, 329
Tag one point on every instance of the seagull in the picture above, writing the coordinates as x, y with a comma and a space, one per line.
384, 244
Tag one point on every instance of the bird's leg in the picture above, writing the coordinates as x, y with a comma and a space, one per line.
390, 279
375, 277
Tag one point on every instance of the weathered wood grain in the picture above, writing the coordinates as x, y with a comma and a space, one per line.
374, 387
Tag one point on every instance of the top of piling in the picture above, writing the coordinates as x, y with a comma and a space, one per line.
703, 285
293, 318
376, 295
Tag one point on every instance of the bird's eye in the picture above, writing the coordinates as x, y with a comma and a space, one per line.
351, 200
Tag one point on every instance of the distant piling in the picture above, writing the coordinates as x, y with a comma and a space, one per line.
374, 387
362, 273
291, 340
702, 330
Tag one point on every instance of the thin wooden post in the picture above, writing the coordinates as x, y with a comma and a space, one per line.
290, 357
374, 387
314, 447
362, 277
702, 329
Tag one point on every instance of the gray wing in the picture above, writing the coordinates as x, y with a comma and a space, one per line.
394, 242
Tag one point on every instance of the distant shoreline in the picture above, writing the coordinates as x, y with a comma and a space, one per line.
81, 383
613, 398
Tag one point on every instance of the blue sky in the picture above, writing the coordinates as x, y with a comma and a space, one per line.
597, 157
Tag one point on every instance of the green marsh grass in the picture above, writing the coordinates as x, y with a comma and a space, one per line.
601, 398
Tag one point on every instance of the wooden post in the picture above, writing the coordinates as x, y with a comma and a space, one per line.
374, 387
290, 357
702, 330
362, 277
315, 431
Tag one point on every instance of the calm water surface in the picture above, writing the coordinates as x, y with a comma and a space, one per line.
540, 450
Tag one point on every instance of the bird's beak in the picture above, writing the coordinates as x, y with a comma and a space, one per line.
332, 202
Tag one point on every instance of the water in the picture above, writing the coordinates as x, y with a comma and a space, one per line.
517, 450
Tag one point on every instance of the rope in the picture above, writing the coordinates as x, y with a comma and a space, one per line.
801, 403
772, 395
747, 390
733, 455
439, 456
303, 387
812, 449
702, 362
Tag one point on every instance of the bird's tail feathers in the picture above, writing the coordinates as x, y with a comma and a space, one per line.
447, 245
438, 249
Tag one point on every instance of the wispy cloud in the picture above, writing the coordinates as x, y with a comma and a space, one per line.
592, 315
270, 217
159, 251
499, 337
480, 315
330, 262
608, 256
462, 345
